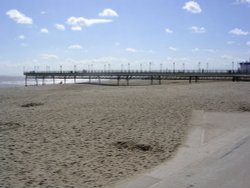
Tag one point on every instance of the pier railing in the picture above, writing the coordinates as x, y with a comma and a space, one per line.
139, 71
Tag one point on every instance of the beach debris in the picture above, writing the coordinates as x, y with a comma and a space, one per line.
132, 146
32, 104
5, 126
245, 108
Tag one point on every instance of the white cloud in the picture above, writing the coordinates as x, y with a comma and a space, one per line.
248, 43
210, 50
75, 46
237, 31
80, 22
131, 50
172, 48
230, 42
203, 50
196, 29
43, 12
44, 30
167, 30
192, 6
76, 28
195, 50
49, 56
108, 13
21, 37
19, 17
226, 57
59, 27
242, 2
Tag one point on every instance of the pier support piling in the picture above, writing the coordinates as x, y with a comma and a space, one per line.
99, 80
118, 80
26, 81
196, 79
159, 80
127, 81
190, 79
36, 81
152, 80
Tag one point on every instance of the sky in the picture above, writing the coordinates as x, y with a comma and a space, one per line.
114, 34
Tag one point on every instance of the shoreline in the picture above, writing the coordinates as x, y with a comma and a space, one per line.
87, 135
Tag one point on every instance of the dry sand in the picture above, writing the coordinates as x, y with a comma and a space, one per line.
93, 136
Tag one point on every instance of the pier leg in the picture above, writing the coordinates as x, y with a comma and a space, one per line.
53, 80
159, 80
118, 80
127, 81
43, 82
89, 79
99, 80
36, 81
75, 79
65, 80
26, 81
190, 79
152, 80
196, 79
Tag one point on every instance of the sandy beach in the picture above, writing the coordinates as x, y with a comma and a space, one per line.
94, 136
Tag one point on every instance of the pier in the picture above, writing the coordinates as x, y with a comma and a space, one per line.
158, 75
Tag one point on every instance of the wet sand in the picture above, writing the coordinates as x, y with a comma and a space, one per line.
94, 136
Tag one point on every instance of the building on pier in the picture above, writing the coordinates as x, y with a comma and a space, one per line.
245, 66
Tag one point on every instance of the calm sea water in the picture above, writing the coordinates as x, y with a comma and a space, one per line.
11, 81
18, 81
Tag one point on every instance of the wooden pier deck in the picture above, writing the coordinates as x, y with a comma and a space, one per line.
189, 75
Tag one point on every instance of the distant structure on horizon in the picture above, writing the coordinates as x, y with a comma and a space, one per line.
245, 66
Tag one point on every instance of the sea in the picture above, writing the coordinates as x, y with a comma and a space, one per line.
11, 81
19, 81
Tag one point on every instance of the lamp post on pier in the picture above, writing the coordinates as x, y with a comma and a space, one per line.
199, 66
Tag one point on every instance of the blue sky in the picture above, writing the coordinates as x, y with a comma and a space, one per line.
49, 33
